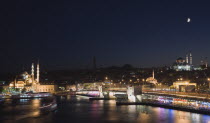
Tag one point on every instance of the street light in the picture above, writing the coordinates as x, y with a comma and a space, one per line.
209, 82
143, 81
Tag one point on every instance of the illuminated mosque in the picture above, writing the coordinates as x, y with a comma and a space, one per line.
152, 79
183, 64
30, 83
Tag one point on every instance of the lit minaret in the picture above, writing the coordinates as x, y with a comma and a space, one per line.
153, 74
187, 59
190, 58
206, 62
32, 72
38, 72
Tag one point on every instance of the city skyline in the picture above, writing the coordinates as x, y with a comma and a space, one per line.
93, 62
105, 61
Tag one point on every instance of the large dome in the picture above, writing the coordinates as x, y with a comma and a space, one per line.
180, 58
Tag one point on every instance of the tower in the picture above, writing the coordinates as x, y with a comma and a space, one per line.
153, 74
202, 61
32, 72
206, 62
37, 72
187, 59
190, 58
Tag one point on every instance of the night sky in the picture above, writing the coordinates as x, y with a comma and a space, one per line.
67, 34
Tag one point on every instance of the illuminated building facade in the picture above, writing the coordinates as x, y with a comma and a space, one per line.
152, 79
184, 64
184, 86
30, 83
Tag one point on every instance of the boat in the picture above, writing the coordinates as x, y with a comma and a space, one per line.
48, 104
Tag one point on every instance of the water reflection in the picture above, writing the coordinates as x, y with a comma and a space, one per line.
80, 109
20, 109
107, 111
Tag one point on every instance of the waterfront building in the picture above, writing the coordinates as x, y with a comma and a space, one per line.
46, 88
28, 82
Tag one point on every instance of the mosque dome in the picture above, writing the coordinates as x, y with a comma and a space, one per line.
180, 60
24, 75
20, 82
151, 80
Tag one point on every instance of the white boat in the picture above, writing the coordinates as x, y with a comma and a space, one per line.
49, 104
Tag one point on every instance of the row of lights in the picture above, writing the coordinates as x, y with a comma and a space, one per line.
106, 78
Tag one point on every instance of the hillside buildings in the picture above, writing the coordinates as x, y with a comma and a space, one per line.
186, 64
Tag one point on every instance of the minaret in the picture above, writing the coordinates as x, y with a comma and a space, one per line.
37, 72
153, 74
15, 82
187, 59
202, 61
190, 58
206, 62
32, 72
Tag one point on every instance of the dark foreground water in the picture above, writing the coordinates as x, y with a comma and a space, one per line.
73, 109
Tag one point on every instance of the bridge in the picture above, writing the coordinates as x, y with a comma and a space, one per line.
137, 95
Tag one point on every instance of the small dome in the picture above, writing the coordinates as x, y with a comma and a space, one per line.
20, 82
180, 58
151, 80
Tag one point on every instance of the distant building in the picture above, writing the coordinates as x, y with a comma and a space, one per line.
204, 63
184, 86
183, 64
46, 88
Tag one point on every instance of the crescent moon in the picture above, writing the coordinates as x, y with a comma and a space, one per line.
188, 20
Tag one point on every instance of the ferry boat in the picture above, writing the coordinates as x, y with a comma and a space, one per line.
48, 104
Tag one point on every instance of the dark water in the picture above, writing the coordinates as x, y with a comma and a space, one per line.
73, 109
